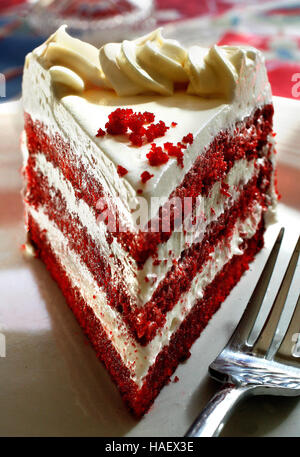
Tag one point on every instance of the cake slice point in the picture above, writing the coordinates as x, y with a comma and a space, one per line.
146, 204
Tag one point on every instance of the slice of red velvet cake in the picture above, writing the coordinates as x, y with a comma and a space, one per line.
149, 175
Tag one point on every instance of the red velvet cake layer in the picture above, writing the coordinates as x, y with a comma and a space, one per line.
139, 400
247, 141
144, 323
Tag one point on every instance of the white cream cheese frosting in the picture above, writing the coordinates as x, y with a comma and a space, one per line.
88, 109
82, 58
148, 64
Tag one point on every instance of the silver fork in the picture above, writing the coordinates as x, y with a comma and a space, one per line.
252, 368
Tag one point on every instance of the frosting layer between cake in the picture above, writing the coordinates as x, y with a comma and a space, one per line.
143, 282
136, 357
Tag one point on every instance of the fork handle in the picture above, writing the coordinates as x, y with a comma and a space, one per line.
213, 417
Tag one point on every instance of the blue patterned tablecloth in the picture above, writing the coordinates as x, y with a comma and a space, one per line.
13, 49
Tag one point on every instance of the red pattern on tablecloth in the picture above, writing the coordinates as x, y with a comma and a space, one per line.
193, 8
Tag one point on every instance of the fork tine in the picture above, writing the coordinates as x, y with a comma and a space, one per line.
265, 338
285, 351
248, 319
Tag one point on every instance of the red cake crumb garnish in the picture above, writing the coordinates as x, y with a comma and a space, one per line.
136, 139
121, 171
155, 131
176, 379
156, 156
145, 176
175, 151
136, 124
140, 191
100, 133
149, 117
173, 124
188, 139
122, 120
118, 121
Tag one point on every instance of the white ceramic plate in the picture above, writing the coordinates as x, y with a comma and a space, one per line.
51, 382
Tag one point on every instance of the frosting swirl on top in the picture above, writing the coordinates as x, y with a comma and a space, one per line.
76, 62
146, 65
216, 71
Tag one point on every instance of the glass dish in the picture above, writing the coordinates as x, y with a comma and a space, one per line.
97, 21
